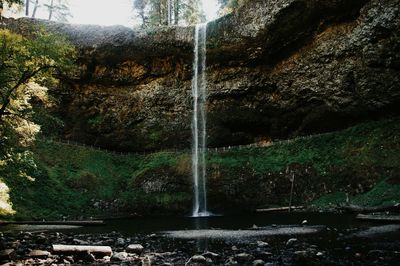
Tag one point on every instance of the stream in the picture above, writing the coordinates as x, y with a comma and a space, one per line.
255, 239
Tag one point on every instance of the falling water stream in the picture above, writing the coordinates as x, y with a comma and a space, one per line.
199, 122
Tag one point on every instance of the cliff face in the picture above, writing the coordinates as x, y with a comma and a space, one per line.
275, 68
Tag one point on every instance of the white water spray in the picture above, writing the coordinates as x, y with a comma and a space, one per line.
199, 122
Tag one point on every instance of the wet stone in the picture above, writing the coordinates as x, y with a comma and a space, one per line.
258, 263
198, 259
243, 257
39, 254
135, 248
291, 242
120, 256
7, 254
262, 244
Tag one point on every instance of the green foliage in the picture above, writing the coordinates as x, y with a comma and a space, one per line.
27, 64
96, 120
65, 180
155, 12
10, 2
228, 6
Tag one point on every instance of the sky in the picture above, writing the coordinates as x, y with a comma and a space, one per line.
120, 12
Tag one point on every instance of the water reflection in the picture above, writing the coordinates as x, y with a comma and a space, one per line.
200, 223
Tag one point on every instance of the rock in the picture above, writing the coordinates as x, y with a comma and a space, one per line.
135, 248
243, 257
291, 242
120, 241
211, 255
304, 222
41, 239
81, 242
119, 256
86, 257
7, 254
261, 60
39, 254
258, 263
231, 262
301, 258
262, 244
320, 254
198, 259
264, 255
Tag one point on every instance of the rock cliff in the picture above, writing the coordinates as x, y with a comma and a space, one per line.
275, 69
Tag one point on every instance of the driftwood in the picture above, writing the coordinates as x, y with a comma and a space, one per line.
77, 223
280, 209
73, 249
360, 209
379, 218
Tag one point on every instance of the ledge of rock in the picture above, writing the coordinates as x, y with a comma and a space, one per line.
275, 69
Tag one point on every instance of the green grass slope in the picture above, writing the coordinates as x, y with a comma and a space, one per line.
73, 181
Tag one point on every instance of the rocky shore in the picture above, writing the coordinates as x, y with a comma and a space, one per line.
378, 245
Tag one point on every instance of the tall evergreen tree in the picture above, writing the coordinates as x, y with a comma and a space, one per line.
140, 8
169, 12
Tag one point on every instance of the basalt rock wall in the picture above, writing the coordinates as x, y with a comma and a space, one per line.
275, 69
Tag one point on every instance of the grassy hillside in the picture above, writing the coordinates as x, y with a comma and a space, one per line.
74, 181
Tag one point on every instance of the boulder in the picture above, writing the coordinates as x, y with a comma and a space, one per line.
135, 248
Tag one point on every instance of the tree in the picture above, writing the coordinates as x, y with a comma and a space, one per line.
169, 12
24, 60
59, 9
27, 2
27, 66
9, 2
35, 8
140, 7
192, 12
228, 6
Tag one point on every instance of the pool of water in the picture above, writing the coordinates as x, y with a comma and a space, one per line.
148, 225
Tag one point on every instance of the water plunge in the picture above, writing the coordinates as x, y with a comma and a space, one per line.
199, 122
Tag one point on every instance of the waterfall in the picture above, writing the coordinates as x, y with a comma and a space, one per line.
199, 92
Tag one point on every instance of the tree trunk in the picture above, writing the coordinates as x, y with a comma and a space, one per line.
27, 8
3, 108
35, 9
51, 9
176, 12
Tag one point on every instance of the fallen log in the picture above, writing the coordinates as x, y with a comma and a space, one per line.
77, 223
280, 209
360, 209
379, 218
73, 249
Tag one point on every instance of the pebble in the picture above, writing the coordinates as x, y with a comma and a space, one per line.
243, 257
198, 259
211, 255
135, 248
119, 256
258, 263
39, 254
262, 244
7, 254
291, 242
